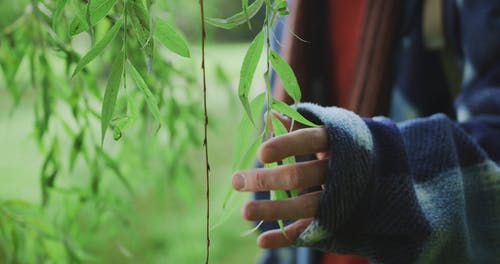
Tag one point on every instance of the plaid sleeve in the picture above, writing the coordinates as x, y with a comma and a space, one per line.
395, 193
425, 190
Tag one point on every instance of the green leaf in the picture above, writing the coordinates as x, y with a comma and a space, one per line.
280, 7
49, 171
79, 23
278, 195
237, 19
279, 129
58, 12
286, 75
245, 133
111, 93
139, 17
171, 37
142, 33
244, 5
290, 112
115, 168
117, 133
148, 96
76, 148
247, 72
99, 9
132, 114
99, 47
77, 26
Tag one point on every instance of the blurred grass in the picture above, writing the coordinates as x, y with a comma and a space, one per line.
167, 230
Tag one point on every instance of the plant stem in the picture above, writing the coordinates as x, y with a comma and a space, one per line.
205, 126
267, 75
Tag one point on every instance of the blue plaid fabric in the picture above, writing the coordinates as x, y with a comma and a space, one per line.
426, 189
423, 186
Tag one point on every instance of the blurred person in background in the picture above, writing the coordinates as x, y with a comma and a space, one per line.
422, 186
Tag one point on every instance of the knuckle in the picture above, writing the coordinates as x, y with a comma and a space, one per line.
294, 180
318, 135
309, 205
260, 182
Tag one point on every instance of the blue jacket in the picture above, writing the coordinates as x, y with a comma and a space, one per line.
423, 186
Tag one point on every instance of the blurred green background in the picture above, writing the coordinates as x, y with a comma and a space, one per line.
164, 223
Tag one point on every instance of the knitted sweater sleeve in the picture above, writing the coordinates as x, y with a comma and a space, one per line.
426, 190
395, 193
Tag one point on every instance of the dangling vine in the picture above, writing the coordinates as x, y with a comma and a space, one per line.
205, 127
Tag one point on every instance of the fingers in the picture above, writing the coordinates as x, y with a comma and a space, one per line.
303, 206
286, 177
299, 142
276, 239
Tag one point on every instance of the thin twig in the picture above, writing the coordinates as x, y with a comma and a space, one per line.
205, 126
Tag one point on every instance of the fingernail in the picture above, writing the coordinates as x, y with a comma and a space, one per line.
238, 181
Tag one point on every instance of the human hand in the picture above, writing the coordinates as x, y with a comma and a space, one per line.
299, 176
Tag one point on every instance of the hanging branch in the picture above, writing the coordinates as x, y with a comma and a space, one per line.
205, 125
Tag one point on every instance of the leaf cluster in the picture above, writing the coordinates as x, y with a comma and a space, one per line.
249, 135
97, 65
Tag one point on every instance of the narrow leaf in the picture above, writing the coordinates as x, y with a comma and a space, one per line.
292, 113
171, 38
245, 132
99, 47
142, 33
244, 4
286, 75
278, 195
279, 129
99, 9
140, 19
148, 96
111, 93
76, 148
116, 169
247, 72
237, 19
78, 24
58, 11
281, 8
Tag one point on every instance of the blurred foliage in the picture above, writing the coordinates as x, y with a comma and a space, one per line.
100, 71
187, 12
123, 81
